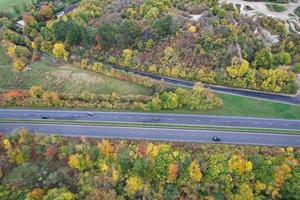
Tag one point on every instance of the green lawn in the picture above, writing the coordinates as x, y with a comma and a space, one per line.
242, 106
7, 5
65, 78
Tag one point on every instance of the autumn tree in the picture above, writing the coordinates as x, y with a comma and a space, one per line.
36, 91
59, 50
45, 12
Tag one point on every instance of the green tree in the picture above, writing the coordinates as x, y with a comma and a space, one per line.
164, 27
59, 194
109, 35
282, 58
264, 59
130, 31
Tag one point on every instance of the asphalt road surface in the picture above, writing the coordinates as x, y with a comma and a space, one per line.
195, 136
150, 118
281, 98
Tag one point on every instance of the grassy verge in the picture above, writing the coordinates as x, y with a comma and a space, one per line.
276, 7
246, 107
154, 125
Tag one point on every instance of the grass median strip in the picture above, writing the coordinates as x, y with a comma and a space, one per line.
154, 125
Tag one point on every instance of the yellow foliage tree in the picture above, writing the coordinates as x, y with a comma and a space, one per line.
36, 91
106, 147
59, 50
127, 55
152, 69
80, 162
238, 70
192, 29
239, 165
134, 184
19, 64
195, 171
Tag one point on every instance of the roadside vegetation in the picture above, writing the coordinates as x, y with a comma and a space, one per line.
83, 168
85, 86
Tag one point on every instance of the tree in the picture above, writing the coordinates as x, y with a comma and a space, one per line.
36, 91
109, 35
19, 64
127, 55
134, 184
164, 27
130, 31
282, 58
35, 194
74, 34
195, 171
80, 161
58, 29
50, 97
29, 20
264, 59
59, 50
45, 12
59, 194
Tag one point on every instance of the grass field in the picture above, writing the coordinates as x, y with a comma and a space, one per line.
7, 5
65, 78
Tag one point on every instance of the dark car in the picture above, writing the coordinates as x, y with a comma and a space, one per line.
45, 117
216, 139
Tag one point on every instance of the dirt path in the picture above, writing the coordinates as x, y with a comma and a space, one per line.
288, 16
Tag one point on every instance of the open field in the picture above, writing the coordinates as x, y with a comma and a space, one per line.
7, 5
65, 78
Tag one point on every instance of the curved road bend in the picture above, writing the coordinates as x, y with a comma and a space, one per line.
280, 98
172, 135
150, 118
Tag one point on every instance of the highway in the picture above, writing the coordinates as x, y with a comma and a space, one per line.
195, 136
150, 118
171, 132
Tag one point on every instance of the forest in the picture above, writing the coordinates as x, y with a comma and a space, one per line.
39, 167
221, 47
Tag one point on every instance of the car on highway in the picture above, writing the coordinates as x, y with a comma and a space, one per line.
45, 117
216, 139
91, 114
